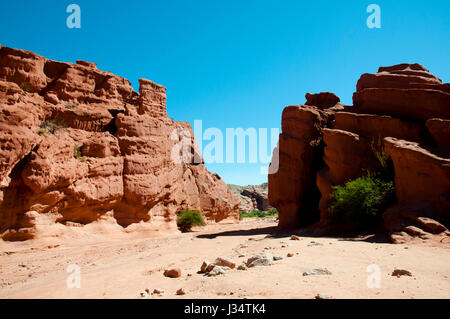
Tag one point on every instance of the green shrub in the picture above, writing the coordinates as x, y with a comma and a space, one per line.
25, 87
188, 218
77, 153
70, 106
259, 214
50, 127
362, 200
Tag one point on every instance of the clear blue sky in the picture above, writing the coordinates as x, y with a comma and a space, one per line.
235, 63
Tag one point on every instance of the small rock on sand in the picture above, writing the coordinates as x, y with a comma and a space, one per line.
401, 272
216, 271
317, 271
277, 258
290, 255
263, 259
313, 243
173, 273
206, 267
295, 237
181, 292
242, 267
225, 262
157, 292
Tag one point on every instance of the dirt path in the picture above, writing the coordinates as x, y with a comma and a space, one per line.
122, 268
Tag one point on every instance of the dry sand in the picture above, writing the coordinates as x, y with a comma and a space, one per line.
123, 267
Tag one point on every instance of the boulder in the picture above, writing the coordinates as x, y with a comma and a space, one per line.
407, 91
322, 100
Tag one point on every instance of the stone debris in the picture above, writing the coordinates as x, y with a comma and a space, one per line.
317, 271
401, 272
263, 259
173, 273
277, 258
181, 292
225, 262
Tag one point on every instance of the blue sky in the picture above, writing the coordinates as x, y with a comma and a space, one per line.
235, 63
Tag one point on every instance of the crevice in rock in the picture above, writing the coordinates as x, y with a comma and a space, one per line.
15, 197
53, 70
111, 127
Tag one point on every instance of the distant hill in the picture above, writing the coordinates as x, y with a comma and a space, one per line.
251, 197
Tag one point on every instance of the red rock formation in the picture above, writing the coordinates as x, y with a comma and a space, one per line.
292, 188
403, 107
388, 91
78, 144
322, 100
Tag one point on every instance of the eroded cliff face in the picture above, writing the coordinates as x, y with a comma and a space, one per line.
324, 144
78, 145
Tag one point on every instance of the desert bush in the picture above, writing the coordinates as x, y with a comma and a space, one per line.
70, 106
259, 214
188, 218
25, 87
77, 154
362, 200
50, 127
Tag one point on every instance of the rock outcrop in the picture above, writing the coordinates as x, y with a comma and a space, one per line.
251, 197
78, 144
403, 109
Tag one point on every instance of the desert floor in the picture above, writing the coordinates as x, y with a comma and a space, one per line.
121, 268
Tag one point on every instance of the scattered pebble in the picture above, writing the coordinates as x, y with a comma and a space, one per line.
216, 271
401, 272
295, 237
313, 243
277, 258
317, 271
263, 259
225, 262
206, 267
173, 273
290, 255
158, 292
181, 292
242, 267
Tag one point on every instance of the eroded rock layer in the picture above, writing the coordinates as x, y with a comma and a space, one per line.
402, 109
78, 144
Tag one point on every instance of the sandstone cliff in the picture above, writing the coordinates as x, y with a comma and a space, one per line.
324, 143
78, 145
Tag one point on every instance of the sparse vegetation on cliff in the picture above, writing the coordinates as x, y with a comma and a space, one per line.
188, 218
25, 87
77, 153
50, 127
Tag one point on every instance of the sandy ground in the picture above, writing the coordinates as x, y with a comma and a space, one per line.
123, 268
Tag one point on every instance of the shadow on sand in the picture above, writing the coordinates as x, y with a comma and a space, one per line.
376, 236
